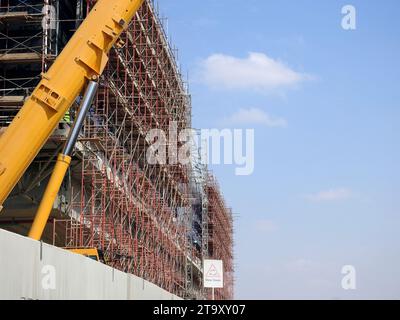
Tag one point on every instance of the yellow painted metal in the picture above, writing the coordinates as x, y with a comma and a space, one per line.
87, 252
83, 58
49, 196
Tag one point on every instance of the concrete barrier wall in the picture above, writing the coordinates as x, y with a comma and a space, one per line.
31, 270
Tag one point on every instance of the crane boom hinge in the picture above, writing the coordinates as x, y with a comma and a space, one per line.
45, 95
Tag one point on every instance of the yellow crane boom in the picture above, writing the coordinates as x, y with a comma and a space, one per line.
83, 59
62, 165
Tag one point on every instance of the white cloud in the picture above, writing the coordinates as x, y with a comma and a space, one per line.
331, 195
266, 226
257, 71
254, 116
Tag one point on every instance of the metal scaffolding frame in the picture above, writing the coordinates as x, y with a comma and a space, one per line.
220, 236
156, 221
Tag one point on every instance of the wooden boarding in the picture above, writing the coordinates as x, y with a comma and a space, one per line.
25, 57
12, 100
22, 15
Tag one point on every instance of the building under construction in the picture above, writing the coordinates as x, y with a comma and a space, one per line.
156, 221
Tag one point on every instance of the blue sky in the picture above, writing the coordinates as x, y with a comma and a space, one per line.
324, 103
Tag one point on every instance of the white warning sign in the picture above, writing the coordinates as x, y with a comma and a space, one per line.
213, 274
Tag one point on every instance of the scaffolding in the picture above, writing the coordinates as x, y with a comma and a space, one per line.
151, 220
220, 236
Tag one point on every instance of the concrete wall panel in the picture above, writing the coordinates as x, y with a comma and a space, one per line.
28, 268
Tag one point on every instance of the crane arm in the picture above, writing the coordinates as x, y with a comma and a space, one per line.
62, 164
84, 58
